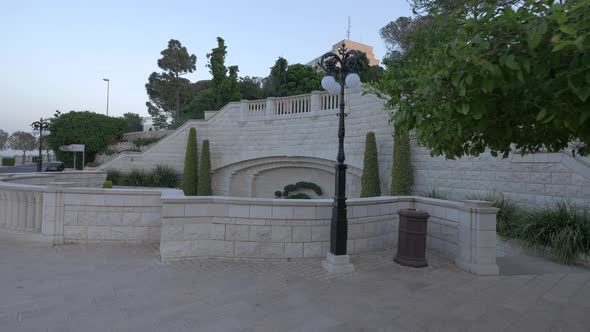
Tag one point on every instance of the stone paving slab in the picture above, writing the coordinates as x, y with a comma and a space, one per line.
115, 287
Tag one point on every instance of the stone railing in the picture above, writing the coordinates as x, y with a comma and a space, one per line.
21, 207
277, 107
213, 226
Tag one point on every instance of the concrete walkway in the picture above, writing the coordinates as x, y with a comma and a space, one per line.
104, 287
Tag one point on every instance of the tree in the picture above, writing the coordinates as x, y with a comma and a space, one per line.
224, 88
190, 178
276, 79
370, 184
251, 88
3, 140
289, 80
402, 173
168, 91
133, 122
204, 185
95, 131
22, 141
495, 75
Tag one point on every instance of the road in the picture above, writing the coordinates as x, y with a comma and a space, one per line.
20, 169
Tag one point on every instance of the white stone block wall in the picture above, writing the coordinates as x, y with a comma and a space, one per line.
111, 215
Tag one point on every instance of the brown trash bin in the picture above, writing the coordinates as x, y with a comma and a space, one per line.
411, 243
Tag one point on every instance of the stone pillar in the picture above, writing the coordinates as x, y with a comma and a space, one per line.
477, 238
52, 223
269, 110
243, 109
314, 103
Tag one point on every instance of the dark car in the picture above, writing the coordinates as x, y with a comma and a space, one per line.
56, 166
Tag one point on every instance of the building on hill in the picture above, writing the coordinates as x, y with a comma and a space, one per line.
367, 49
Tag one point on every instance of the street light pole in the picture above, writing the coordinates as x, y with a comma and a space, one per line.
108, 88
40, 127
342, 66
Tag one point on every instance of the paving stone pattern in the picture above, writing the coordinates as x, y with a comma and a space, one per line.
118, 287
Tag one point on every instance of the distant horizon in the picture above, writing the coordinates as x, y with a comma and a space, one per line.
61, 51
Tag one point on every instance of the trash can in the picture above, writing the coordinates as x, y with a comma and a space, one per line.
411, 243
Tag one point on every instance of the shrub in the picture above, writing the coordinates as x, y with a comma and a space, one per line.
204, 185
288, 189
370, 184
509, 215
298, 196
8, 161
136, 178
278, 194
145, 141
107, 184
163, 177
114, 176
402, 174
189, 177
35, 159
562, 231
434, 194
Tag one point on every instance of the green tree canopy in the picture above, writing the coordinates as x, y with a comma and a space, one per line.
497, 75
94, 130
251, 87
3, 140
168, 91
133, 122
22, 141
289, 80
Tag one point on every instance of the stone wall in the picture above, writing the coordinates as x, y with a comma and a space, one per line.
255, 151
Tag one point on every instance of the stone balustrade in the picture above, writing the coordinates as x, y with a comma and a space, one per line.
274, 107
240, 227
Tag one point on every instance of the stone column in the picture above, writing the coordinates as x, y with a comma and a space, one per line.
314, 102
477, 238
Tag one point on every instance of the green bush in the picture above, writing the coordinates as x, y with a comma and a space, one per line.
434, 194
190, 178
114, 176
298, 196
204, 185
509, 216
35, 159
370, 184
8, 161
136, 178
562, 231
163, 177
146, 141
107, 184
402, 174
278, 194
288, 189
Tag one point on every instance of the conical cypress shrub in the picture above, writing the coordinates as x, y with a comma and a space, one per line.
370, 184
205, 171
402, 174
190, 176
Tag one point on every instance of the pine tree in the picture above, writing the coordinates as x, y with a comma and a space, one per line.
190, 176
402, 174
205, 171
370, 184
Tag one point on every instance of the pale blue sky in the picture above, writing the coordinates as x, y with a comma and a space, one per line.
54, 54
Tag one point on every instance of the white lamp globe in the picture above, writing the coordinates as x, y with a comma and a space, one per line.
35, 132
353, 80
335, 88
46, 132
328, 82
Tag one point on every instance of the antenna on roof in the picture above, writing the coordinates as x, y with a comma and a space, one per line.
348, 29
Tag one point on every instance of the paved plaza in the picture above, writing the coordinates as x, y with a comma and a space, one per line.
118, 287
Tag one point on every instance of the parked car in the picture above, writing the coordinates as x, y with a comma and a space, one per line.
54, 166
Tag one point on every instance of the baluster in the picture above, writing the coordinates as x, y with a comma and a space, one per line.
38, 211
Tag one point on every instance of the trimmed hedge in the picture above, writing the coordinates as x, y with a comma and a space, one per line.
161, 177
35, 159
204, 185
370, 184
190, 178
288, 189
8, 161
107, 184
402, 174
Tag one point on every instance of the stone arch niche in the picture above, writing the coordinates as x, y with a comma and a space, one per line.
261, 177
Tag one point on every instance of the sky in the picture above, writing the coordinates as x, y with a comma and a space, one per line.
55, 54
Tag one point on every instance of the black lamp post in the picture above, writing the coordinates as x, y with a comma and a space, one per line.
342, 67
41, 128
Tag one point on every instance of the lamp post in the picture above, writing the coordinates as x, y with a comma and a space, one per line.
340, 68
108, 88
40, 128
